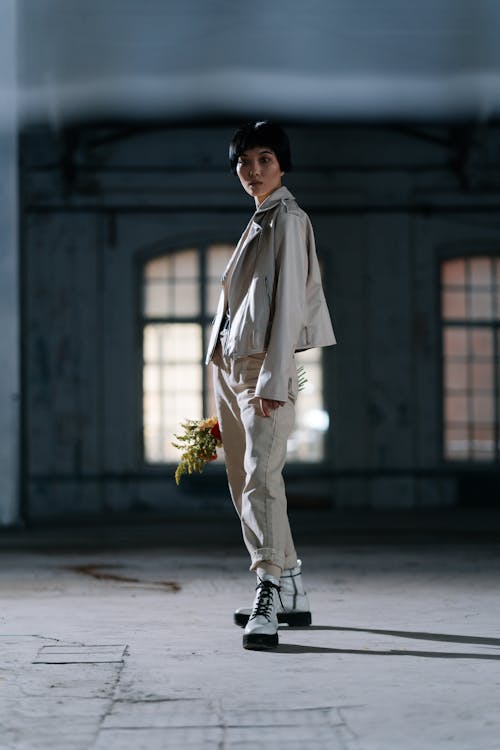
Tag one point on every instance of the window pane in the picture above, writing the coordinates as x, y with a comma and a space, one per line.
174, 342
455, 375
171, 385
480, 270
481, 343
456, 442
158, 301
481, 304
454, 304
454, 272
167, 299
483, 408
185, 265
151, 343
455, 342
177, 408
179, 378
151, 378
456, 408
153, 446
152, 411
172, 286
158, 268
187, 299
187, 343
483, 443
482, 376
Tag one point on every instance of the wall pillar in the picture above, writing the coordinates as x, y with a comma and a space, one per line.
9, 273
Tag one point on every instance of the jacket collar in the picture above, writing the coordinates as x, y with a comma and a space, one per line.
280, 194
274, 199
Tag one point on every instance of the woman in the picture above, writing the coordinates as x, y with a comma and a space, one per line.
271, 305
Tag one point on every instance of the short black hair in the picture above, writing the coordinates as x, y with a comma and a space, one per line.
261, 133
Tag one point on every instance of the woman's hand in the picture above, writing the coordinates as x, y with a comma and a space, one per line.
267, 405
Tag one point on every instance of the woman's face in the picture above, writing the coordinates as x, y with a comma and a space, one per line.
259, 172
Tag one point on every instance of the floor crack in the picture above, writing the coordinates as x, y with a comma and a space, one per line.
112, 698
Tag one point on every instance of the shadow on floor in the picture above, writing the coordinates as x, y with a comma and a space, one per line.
292, 648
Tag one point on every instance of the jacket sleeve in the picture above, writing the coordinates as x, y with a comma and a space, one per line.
288, 305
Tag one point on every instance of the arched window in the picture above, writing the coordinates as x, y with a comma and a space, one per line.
470, 304
180, 291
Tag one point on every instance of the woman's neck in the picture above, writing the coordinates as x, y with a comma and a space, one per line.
259, 199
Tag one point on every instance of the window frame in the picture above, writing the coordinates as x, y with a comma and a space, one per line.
464, 250
202, 319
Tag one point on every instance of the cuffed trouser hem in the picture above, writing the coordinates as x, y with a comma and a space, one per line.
266, 555
290, 562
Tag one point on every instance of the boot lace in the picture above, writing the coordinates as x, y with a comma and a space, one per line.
264, 604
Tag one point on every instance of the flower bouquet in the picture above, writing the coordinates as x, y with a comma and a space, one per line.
198, 443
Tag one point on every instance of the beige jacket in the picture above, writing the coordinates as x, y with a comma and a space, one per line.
273, 291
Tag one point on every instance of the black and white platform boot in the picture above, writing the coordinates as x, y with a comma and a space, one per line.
261, 630
295, 610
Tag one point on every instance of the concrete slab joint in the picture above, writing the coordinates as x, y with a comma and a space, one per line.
81, 654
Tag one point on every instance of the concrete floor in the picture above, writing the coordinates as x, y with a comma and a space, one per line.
132, 649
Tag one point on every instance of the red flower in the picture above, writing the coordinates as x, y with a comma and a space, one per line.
215, 432
208, 458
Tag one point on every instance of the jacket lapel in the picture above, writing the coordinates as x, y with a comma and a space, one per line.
250, 233
253, 229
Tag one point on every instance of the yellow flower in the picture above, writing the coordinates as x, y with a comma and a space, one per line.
207, 424
199, 444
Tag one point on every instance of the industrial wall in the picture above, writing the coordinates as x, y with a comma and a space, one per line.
388, 203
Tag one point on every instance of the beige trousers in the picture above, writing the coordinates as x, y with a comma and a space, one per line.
255, 453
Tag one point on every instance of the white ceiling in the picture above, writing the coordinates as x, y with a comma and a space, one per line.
307, 59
